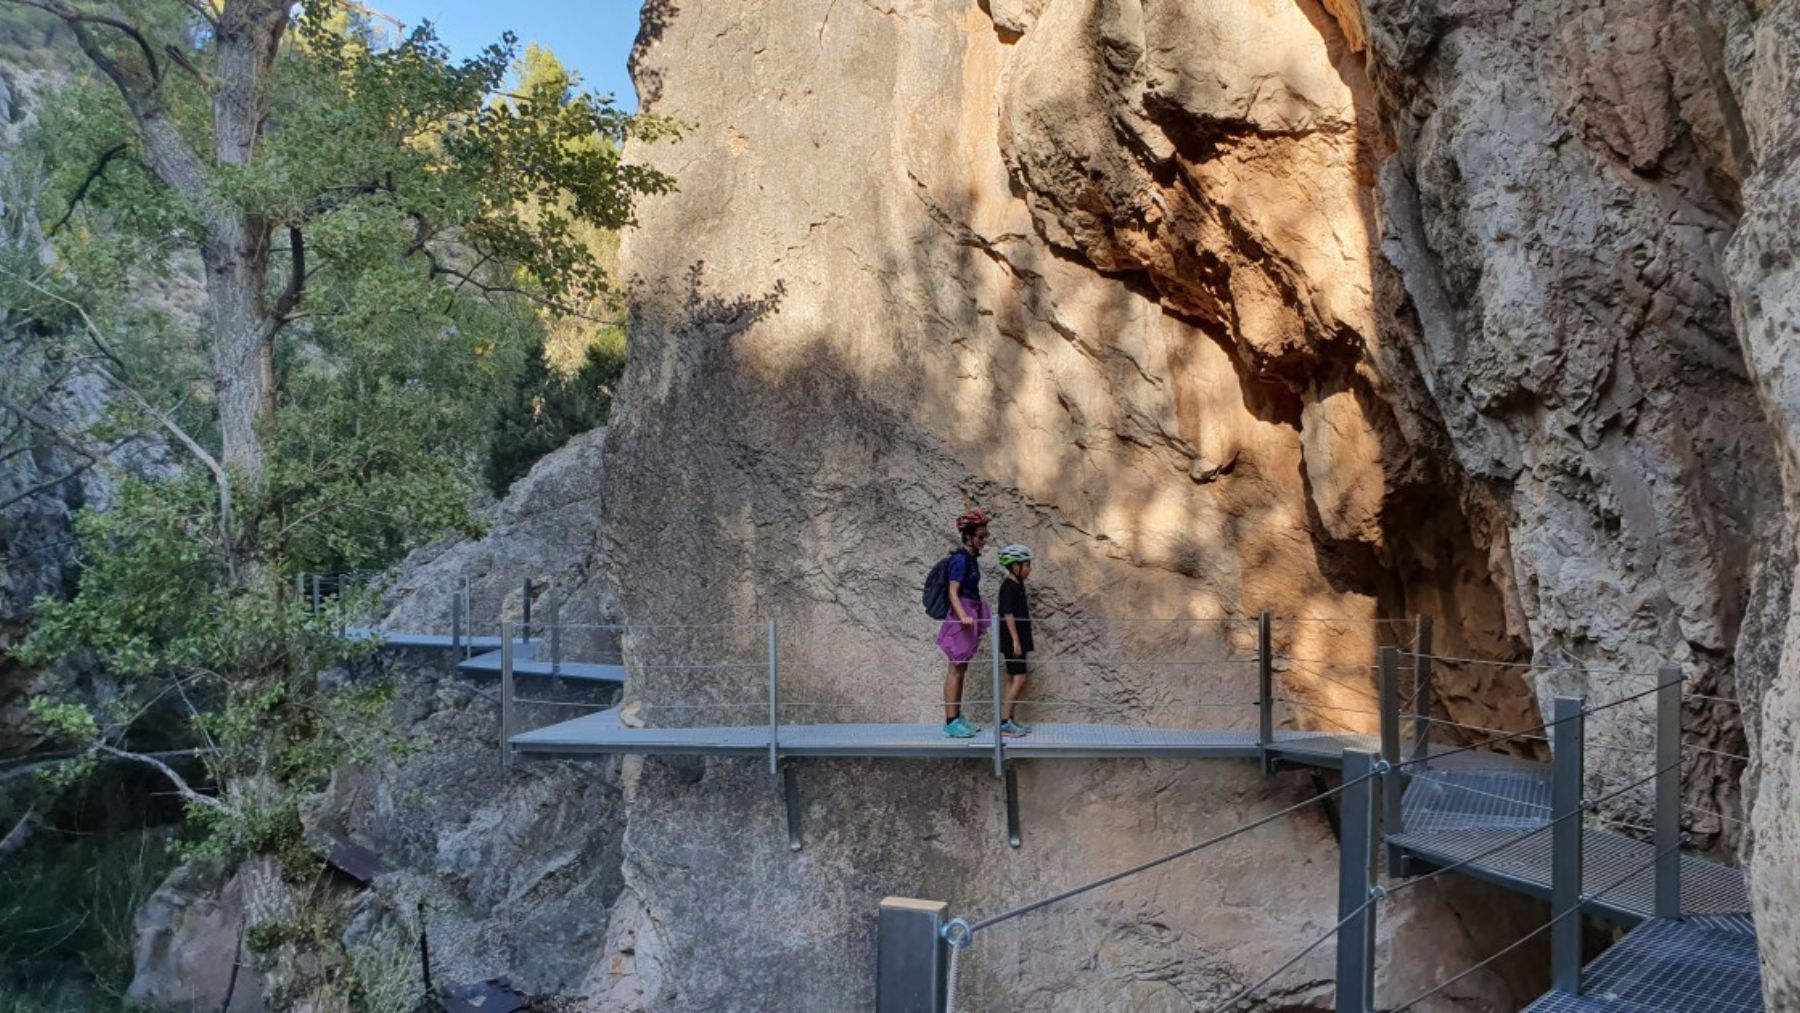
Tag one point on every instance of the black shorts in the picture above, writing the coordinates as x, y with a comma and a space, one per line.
1014, 666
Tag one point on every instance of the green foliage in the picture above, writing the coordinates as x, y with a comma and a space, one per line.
548, 408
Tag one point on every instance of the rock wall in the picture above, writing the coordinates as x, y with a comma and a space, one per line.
1762, 58
1112, 271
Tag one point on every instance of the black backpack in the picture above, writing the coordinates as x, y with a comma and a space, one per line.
937, 588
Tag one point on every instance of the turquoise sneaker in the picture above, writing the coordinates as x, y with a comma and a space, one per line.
1014, 729
960, 728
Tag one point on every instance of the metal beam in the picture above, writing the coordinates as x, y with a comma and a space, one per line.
1356, 939
1566, 808
912, 959
1667, 835
999, 746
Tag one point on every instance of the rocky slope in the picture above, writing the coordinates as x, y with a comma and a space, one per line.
1342, 311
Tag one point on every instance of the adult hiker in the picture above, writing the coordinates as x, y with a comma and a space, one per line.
966, 618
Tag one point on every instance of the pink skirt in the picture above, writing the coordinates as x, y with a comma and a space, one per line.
961, 642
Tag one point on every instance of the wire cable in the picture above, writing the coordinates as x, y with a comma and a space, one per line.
987, 923
1373, 898
1533, 934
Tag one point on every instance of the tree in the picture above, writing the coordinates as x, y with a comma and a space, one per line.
382, 238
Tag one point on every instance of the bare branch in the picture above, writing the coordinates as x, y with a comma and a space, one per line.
75, 18
180, 783
93, 176
20, 833
220, 478
46, 486
439, 268
370, 12
207, 81
204, 10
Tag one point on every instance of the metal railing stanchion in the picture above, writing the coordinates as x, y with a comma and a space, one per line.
999, 749
506, 694
1265, 693
1392, 787
317, 594
1565, 844
774, 704
555, 635
525, 635
1667, 832
1421, 654
1356, 912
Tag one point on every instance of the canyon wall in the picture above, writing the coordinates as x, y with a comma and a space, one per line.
1762, 60
1114, 273
1346, 312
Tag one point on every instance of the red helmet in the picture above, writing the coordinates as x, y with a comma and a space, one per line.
971, 519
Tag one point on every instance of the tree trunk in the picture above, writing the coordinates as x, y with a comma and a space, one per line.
237, 250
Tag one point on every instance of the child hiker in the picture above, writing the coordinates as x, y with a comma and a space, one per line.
1013, 626
967, 619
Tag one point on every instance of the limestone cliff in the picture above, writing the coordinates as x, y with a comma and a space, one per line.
1337, 310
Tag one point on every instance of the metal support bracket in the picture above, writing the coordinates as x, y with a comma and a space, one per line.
1667, 832
1356, 906
1012, 806
790, 792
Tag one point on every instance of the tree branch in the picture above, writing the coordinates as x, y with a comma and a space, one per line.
296, 285
20, 833
439, 268
45, 486
180, 783
93, 176
74, 19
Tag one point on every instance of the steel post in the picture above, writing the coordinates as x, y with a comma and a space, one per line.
317, 592
774, 705
1566, 808
1012, 806
1421, 750
999, 749
506, 694
1667, 834
555, 635
1356, 939
526, 635
1265, 692
912, 959
1393, 785
456, 623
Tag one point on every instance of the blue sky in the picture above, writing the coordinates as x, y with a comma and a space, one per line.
591, 36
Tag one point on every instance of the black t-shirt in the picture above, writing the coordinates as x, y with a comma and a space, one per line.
1013, 602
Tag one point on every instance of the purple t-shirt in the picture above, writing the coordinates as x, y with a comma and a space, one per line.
966, 571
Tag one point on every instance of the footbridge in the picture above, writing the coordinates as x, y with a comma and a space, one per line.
1419, 794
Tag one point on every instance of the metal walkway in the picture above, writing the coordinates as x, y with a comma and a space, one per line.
603, 732
1476, 813
1695, 965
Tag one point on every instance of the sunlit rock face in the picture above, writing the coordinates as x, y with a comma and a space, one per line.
1113, 271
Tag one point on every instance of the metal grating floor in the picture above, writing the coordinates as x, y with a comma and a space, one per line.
602, 732
1697, 965
1453, 812
421, 641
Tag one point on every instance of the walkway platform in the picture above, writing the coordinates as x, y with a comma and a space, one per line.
571, 671
1696, 965
1455, 811
603, 732
395, 640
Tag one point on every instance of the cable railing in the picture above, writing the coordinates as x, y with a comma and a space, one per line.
918, 934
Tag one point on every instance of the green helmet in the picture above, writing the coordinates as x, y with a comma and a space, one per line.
1014, 554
